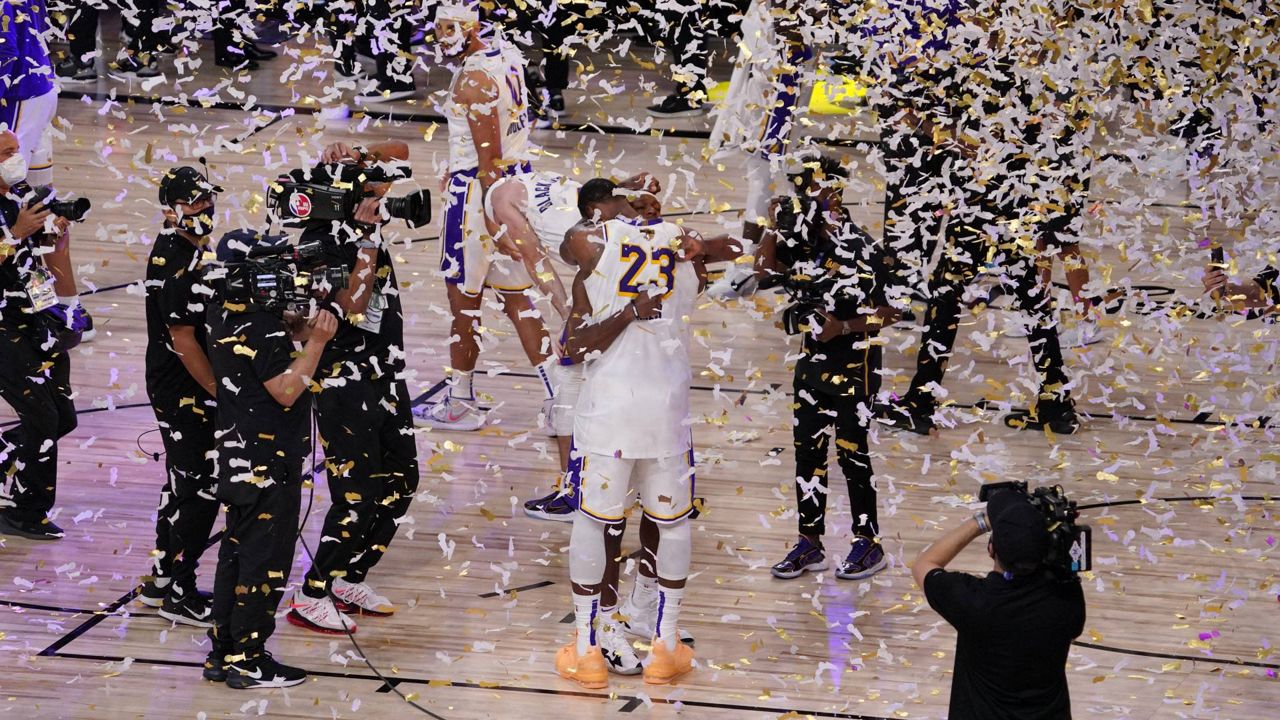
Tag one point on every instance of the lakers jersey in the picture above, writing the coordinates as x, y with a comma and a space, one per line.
505, 68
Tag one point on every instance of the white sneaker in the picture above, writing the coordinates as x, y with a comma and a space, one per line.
1083, 332
617, 651
641, 620
319, 615
360, 598
449, 414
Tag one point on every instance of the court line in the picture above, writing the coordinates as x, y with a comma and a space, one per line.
522, 588
51, 608
506, 688
1171, 656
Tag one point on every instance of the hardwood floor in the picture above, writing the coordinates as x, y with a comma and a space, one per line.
1182, 601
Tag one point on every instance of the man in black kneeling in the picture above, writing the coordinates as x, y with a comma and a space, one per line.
1015, 626
264, 437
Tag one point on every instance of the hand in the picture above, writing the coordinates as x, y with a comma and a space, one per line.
29, 222
60, 225
887, 315
831, 328
324, 325
691, 247
369, 211
339, 152
1214, 279
444, 181
644, 182
648, 305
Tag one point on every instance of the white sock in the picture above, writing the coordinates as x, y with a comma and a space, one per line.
70, 301
460, 387
585, 609
544, 374
607, 622
668, 613
644, 591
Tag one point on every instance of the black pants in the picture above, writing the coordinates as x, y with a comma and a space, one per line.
41, 398
682, 32
911, 224
188, 502
543, 24
137, 17
254, 561
968, 247
820, 408
371, 461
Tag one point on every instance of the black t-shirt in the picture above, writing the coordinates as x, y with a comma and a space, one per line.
176, 296
258, 438
16, 273
1267, 280
374, 340
1012, 644
849, 266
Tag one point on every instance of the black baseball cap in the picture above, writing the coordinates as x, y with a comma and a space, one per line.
185, 185
1019, 531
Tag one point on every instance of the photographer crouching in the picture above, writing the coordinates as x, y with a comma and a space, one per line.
36, 333
1015, 626
263, 431
363, 412
835, 274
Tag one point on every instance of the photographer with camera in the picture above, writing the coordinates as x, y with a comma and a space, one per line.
364, 412
264, 436
1015, 626
35, 371
181, 387
836, 276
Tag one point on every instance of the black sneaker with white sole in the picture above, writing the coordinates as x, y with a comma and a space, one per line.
153, 595
216, 665
899, 416
70, 71
678, 105
805, 556
556, 506
131, 67
191, 609
42, 529
263, 671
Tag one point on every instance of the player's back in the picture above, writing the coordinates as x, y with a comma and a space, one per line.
505, 68
635, 398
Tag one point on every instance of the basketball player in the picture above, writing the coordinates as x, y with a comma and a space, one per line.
755, 120
488, 139
631, 301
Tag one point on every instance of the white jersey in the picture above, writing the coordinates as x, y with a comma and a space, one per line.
634, 401
553, 207
505, 67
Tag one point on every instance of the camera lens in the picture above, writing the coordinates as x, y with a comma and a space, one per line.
414, 208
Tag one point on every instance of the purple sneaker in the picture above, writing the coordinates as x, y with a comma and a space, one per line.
866, 558
804, 557
556, 506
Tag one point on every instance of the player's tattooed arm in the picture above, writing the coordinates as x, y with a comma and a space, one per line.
477, 92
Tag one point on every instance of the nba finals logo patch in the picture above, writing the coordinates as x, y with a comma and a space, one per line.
299, 205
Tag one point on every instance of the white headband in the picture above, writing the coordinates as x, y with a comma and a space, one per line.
457, 13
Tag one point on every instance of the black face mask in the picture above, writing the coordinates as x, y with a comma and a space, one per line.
200, 224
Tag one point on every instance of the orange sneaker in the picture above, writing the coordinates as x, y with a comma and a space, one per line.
589, 671
667, 665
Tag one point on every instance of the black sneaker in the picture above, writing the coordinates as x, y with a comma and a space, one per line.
678, 105
900, 416
132, 67
1058, 416
153, 595
555, 103
42, 529
556, 506
191, 609
865, 558
263, 671
805, 557
216, 665
70, 71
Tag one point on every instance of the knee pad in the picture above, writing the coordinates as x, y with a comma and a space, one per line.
675, 545
587, 554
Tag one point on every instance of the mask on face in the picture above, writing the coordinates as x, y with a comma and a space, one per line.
13, 170
199, 224
454, 44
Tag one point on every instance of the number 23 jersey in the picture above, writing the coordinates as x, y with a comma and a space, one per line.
635, 396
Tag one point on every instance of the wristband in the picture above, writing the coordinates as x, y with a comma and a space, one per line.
980, 517
635, 311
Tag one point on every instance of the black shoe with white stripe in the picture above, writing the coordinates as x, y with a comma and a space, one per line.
263, 671
190, 609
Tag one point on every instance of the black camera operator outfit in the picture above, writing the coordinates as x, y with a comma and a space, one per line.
366, 426
35, 379
262, 446
835, 381
982, 212
184, 410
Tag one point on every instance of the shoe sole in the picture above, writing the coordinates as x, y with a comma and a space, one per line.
7, 529
295, 618
884, 563
814, 567
665, 679
212, 676
255, 685
588, 684
558, 517
184, 620
150, 602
